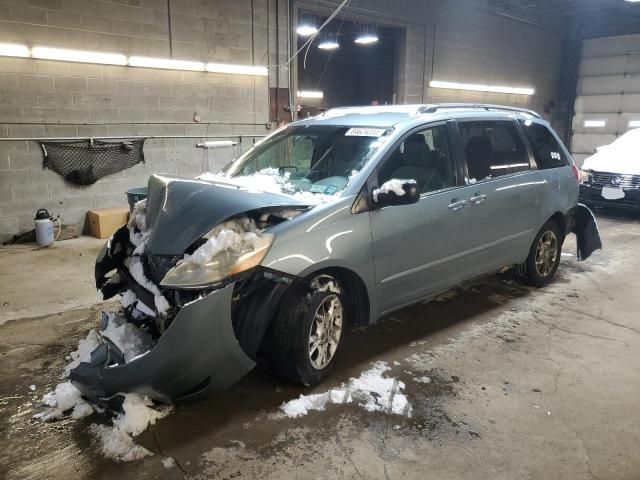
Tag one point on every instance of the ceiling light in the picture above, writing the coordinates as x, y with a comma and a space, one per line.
82, 56
166, 63
237, 69
329, 45
310, 94
634, 123
306, 30
594, 123
366, 39
482, 88
13, 50
217, 144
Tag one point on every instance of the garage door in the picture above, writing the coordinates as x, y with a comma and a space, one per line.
608, 94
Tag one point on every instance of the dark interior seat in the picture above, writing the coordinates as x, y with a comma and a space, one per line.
420, 163
478, 153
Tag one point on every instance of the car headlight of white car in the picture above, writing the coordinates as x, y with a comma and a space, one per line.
227, 263
585, 176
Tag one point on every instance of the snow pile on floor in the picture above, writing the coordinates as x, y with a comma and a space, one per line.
116, 442
394, 185
371, 391
117, 445
236, 235
269, 180
64, 398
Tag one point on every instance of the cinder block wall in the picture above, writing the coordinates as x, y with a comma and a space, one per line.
47, 98
41, 98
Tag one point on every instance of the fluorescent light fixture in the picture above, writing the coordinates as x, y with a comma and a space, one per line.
82, 56
329, 45
13, 50
237, 69
482, 88
634, 123
310, 94
594, 123
217, 144
166, 63
366, 39
306, 30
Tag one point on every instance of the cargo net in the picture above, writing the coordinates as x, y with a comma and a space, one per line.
85, 162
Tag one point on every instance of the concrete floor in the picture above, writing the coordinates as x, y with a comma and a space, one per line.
526, 384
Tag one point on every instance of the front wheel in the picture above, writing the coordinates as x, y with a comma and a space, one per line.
544, 257
308, 331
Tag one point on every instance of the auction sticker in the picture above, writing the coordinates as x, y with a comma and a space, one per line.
365, 132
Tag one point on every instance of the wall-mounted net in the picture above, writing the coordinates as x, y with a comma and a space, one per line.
85, 162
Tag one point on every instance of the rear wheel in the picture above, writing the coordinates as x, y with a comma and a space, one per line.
544, 256
308, 331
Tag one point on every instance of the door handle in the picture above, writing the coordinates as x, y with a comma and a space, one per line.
478, 198
456, 205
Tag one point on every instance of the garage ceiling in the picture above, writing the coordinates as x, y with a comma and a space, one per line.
585, 18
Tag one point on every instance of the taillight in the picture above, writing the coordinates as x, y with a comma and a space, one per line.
576, 172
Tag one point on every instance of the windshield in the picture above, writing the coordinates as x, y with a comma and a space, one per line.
316, 159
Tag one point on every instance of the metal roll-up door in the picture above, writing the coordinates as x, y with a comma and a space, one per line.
608, 93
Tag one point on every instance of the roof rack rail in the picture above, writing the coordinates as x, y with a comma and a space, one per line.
434, 108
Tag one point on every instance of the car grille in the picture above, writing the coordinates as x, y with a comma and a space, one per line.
606, 179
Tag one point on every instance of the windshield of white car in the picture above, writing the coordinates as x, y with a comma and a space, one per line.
316, 159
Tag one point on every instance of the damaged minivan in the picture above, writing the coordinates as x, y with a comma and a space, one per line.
330, 222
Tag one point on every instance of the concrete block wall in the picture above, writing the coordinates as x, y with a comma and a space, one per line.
461, 39
40, 98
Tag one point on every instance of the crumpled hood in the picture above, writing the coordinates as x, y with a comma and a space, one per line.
180, 211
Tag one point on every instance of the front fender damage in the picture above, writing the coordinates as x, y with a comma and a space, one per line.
197, 353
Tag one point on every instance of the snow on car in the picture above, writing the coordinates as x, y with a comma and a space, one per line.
611, 176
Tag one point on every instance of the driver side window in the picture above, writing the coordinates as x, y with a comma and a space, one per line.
425, 157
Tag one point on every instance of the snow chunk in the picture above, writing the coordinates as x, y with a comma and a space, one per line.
422, 380
134, 265
168, 462
32, 388
64, 398
83, 353
115, 444
371, 391
138, 414
394, 185
129, 339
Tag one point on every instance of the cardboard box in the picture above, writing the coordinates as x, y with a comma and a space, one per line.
103, 222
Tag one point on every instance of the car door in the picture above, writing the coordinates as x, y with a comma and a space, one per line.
416, 247
504, 192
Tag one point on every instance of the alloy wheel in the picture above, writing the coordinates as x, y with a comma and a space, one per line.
325, 333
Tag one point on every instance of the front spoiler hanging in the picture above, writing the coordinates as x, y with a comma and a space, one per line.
198, 353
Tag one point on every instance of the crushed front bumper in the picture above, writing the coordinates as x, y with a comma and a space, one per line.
197, 354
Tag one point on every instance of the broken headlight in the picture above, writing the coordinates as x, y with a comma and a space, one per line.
224, 264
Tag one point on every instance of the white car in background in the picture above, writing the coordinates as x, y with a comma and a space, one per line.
611, 177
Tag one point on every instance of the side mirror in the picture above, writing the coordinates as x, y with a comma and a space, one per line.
396, 192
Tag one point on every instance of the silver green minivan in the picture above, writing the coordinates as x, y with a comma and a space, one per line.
329, 222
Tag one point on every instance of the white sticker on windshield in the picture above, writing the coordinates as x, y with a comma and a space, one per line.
365, 132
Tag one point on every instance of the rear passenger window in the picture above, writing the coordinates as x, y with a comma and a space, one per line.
546, 149
493, 149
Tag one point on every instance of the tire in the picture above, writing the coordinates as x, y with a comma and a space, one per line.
292, 353
542, 263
